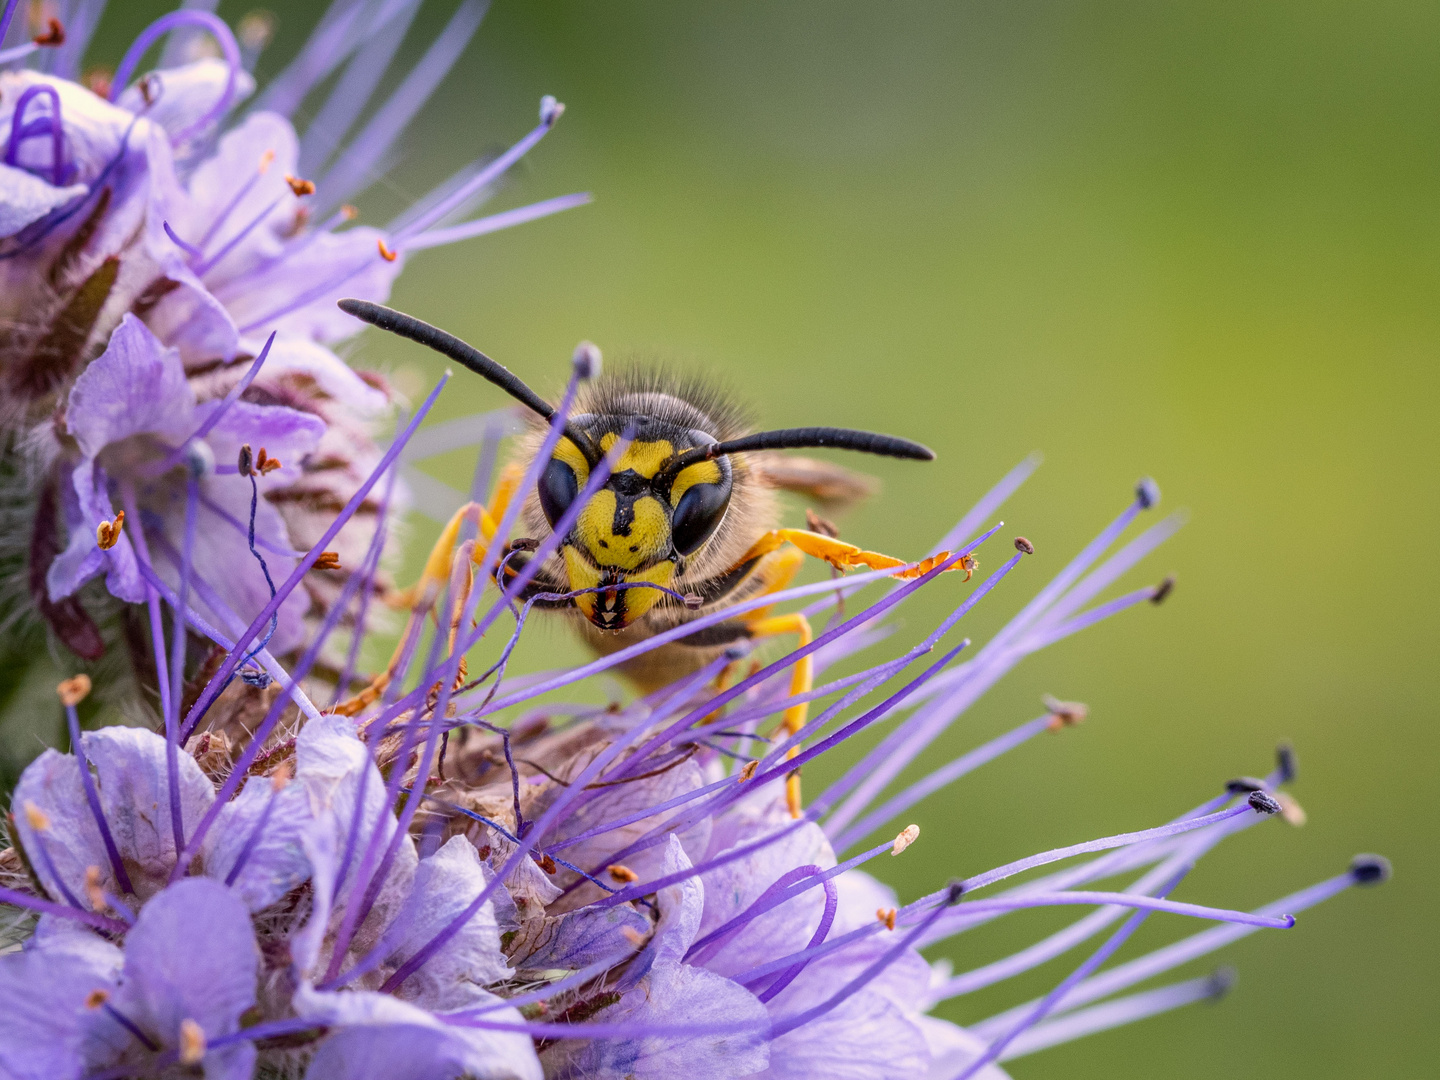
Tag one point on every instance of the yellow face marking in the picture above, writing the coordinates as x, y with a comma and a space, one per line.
582, 575
570, 454
649, 537
644, 457
636, 602
702, 472
639, 601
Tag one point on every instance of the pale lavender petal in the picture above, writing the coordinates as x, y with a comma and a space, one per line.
53, 785
672, 995
135, 796
191, 955
275, 858
26, 198
297, 295
43, 988
614, 803
135, 386
732, 887
577, 938
952, 1049
185, 94
445, 883
380, 1037
865, 1038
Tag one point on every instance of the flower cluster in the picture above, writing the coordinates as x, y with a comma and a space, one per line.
439, 875
169, 264
445, 876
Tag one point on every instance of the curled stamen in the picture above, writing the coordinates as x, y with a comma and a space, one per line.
60, 171
204, 20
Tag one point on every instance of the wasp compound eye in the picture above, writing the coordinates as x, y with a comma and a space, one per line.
697, 516
557, 490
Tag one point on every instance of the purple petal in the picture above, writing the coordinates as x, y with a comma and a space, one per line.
135, 386
383, 1038
297, 295
191, 955
275, 860
734, 886
43, 988
224, 562
25, 198
186, 94
620, 801
673, 995
135, 796
52, 783
445, 883
577, 938
87, 503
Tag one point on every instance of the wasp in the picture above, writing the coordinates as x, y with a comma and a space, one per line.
686, 524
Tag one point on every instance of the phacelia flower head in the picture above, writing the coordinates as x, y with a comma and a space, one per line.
447, 875
181, 206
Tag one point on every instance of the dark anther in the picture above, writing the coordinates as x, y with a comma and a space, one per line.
1285, 763
1242, 784
1024, 546
54, 35
1148, 492
954, 891
246, 462
736, 653
257, 679
1221, 982
1263, 803
1369, 869
1164, 589
524, 543
694, 601
587, 360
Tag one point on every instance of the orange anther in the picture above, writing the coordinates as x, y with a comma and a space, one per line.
74, 690
107, 533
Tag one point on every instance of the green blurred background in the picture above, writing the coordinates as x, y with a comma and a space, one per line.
1195, 241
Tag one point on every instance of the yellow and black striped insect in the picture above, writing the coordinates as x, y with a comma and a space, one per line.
690, 506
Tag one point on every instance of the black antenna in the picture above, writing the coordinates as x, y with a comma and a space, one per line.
467, 356
802, 438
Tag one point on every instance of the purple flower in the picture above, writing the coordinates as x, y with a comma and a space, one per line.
459, 880
179, 198
133, 419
